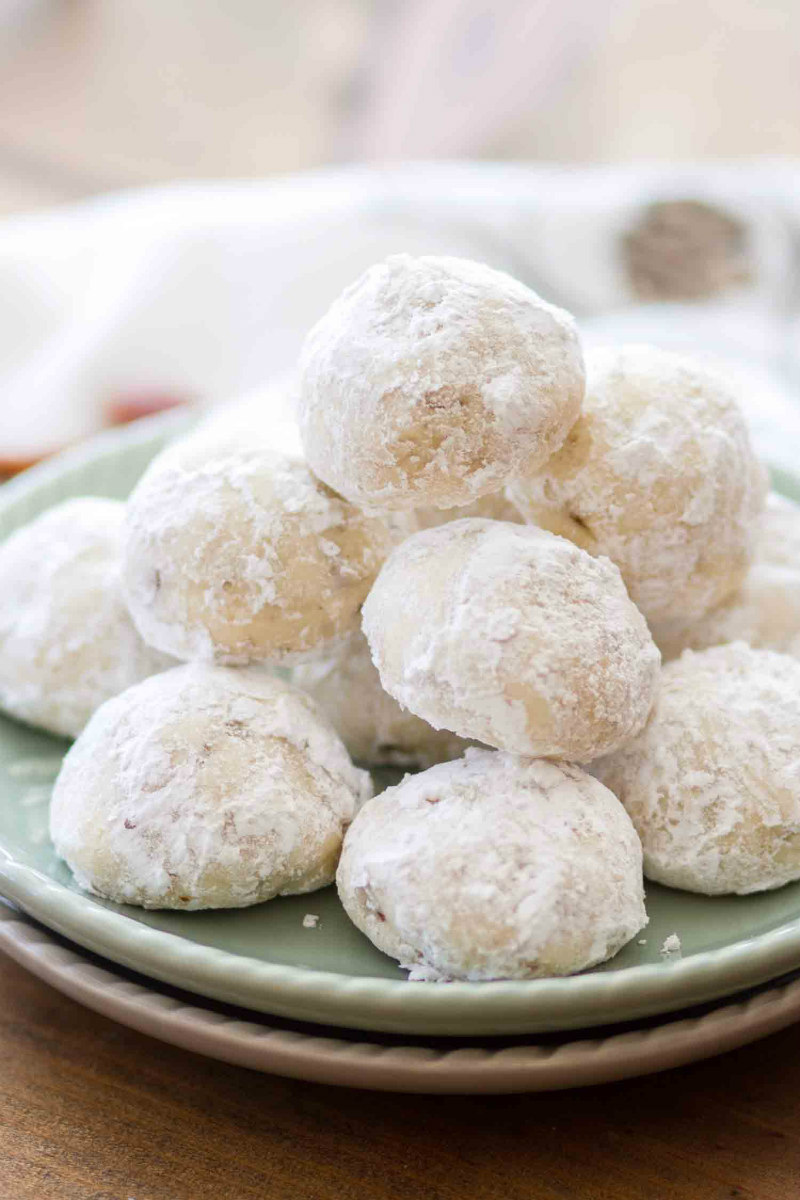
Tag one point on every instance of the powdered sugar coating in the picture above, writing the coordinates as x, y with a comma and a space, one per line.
373, 726
67, 642
658, 474
235, 552
494, 867
513, 637
433, 381
765, 611
496, 507
712, 783
269, 413
205, 787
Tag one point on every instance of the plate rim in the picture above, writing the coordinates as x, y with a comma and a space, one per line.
321, 1058
367, 1002
395, 1005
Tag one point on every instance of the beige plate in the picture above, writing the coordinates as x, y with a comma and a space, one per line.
301, 1052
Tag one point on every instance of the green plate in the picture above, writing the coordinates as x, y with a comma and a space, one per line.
263, 958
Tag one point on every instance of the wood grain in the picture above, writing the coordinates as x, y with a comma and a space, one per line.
90, 1110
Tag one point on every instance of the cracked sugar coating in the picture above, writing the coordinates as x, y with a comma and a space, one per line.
434, 381
494, 867
235, 552
765, 611
657, 474
373, 726
512, 637
205, 787
67, 642
712, 783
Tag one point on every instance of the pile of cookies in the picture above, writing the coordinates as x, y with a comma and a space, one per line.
463, 558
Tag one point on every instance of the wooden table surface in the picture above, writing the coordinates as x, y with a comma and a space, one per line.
90, 1110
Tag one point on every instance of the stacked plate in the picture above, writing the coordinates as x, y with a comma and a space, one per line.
238, 984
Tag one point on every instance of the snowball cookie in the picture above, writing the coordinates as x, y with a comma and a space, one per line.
235, 552
658, 474
205, 787
433, 381
764, 613
494, 867
270, 411
512, 637
373, 726
67, 642
712, 783
496, 507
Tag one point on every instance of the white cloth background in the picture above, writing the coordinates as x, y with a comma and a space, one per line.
206, 290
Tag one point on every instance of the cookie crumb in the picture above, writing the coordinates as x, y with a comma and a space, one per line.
642, 941
310, 921
420, 973
671, 947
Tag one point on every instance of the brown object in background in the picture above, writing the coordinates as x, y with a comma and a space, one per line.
120, 410
686, 250
13, 466
130, 406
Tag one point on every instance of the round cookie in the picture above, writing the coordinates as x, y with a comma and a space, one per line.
494, 867
373, 726
495, 507
764, 613
658, 474
510, 636
205, 787
433, 382
269, 414
712, 783
236, 553
67, 642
